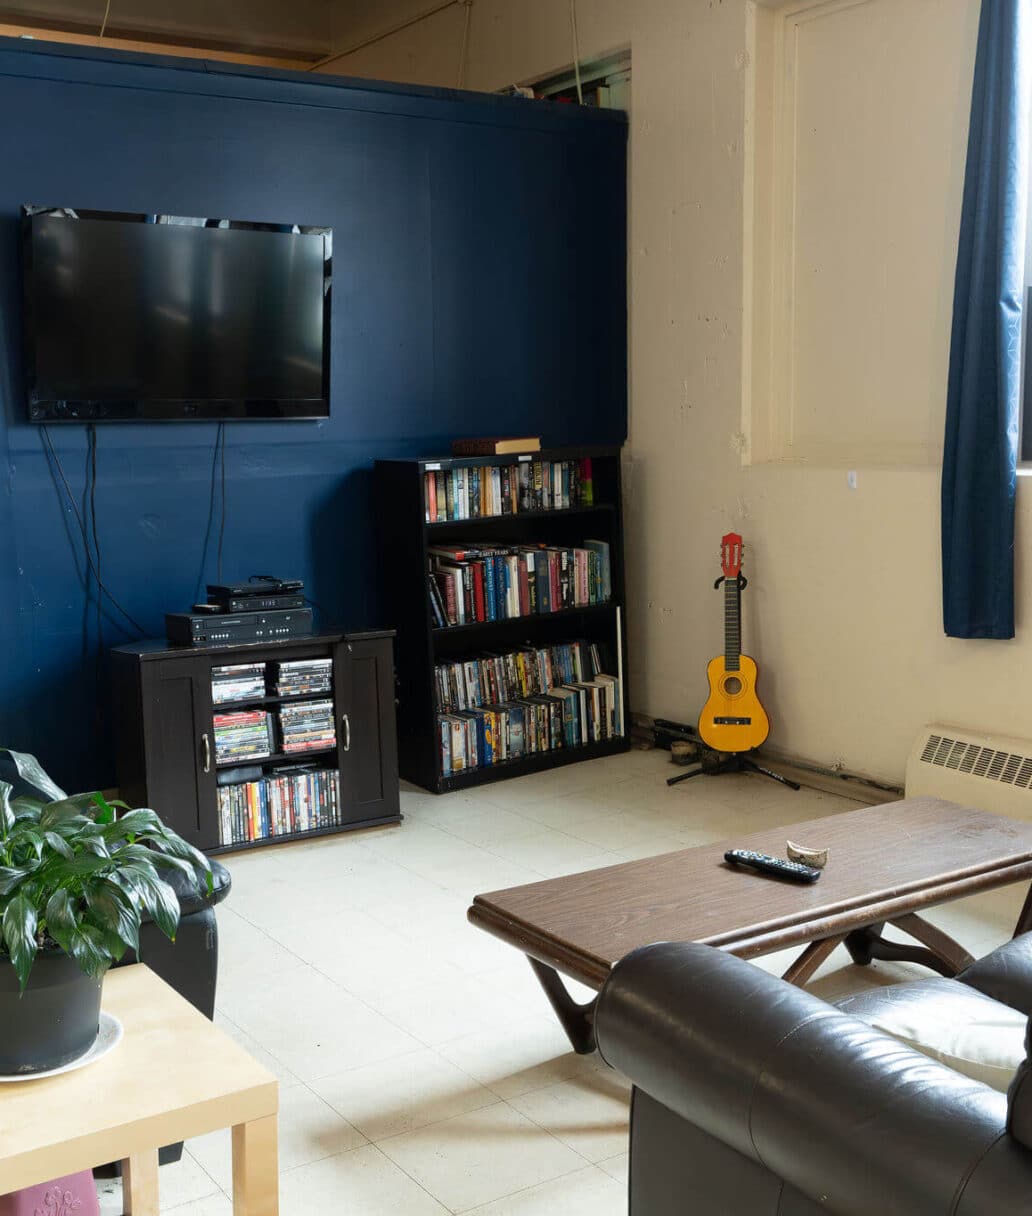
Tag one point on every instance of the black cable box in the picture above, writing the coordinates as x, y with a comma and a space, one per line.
259, 586
236, 629
254, 603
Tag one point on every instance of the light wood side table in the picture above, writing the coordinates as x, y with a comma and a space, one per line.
174, 1075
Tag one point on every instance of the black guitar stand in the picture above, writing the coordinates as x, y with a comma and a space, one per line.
712, 764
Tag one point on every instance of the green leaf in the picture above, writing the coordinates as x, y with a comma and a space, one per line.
112, 910
11, 876
105, 812
88, 947
133, 824
58, 843
6, 813
32, 772
67, 808
62, 917
157, 898
19, 927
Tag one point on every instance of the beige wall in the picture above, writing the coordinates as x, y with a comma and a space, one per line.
843, 608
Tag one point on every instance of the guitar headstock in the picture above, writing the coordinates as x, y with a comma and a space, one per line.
731, 555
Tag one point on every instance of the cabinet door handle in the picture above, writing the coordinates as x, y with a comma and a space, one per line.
206, 749
346, 723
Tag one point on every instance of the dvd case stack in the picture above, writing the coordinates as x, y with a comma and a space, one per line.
501, 707
471, 491
307, 727
239, 682
241, 736
289, 800
300, 677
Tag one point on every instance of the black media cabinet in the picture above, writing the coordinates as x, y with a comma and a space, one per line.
165, 738
407, 536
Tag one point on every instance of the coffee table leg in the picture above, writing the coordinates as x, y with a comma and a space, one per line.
577, 1020
256, 1168
1025, 918
811, 958
938, 950
140, 1184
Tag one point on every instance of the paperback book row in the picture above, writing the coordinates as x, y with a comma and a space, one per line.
254, 681
279, 806
482, 582
530, 485
251, 734
501, 707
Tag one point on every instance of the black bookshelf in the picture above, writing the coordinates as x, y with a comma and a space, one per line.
405, 536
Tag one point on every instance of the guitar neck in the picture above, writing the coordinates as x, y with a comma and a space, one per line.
732, 624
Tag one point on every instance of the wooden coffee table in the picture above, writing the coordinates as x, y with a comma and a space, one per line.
887, 862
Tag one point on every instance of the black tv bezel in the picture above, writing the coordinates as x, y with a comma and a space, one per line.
80, 410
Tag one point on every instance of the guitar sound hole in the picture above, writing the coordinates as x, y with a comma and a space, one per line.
732, 686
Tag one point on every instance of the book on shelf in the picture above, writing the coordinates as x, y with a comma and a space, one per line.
480, 491
501, 707
237, 682
307, 727
298, 798
242, 735
495, 447
300, 677
476, 581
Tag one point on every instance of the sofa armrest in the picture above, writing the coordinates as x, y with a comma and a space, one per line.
1005, 974
850, 1117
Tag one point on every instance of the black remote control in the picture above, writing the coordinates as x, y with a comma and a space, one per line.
772, 865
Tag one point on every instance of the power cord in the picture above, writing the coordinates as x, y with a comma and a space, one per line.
216, 454
222, 496
576, 50
103, 24
55, 463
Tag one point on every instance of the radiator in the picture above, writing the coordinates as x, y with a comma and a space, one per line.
991, 772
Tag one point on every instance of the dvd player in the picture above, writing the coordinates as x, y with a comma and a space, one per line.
236, 629
259, 586
254, 603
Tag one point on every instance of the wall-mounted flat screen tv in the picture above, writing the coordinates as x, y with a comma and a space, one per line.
158, 317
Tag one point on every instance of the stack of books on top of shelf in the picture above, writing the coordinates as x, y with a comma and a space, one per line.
239, 682
472, 491
288, 801
298, 677
504, 707
245, 735
307, 727
482, 582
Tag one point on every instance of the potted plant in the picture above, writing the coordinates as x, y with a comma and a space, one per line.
76, 879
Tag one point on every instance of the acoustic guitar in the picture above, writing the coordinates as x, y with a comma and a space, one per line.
732, 720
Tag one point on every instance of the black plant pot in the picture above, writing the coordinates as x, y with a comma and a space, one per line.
54, 1021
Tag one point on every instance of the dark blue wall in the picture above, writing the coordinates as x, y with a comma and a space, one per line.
479, 288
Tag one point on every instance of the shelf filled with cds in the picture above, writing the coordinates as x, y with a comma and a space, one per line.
256, 744
505, 577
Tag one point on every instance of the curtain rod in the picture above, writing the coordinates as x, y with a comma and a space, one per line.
394, 29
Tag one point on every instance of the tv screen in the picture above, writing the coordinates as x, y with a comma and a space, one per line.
160, 317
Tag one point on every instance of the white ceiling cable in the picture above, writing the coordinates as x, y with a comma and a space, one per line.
103, 24
576, 50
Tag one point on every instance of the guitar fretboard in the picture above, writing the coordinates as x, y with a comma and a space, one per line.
732, 625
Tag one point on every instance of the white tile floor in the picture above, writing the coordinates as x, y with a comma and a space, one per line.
421, 1069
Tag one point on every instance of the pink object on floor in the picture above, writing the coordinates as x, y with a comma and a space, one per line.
75, 1195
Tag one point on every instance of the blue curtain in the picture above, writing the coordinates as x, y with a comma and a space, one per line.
983, 401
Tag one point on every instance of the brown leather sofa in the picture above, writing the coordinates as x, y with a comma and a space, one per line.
755, 1098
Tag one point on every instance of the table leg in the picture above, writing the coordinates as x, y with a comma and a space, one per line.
1025, 917
938, 950
140, 1184
256, 1168
577, 1020
810, 959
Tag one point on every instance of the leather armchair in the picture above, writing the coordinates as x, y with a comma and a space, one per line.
754, 1097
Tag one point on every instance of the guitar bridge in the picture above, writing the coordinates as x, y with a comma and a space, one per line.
732, 721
